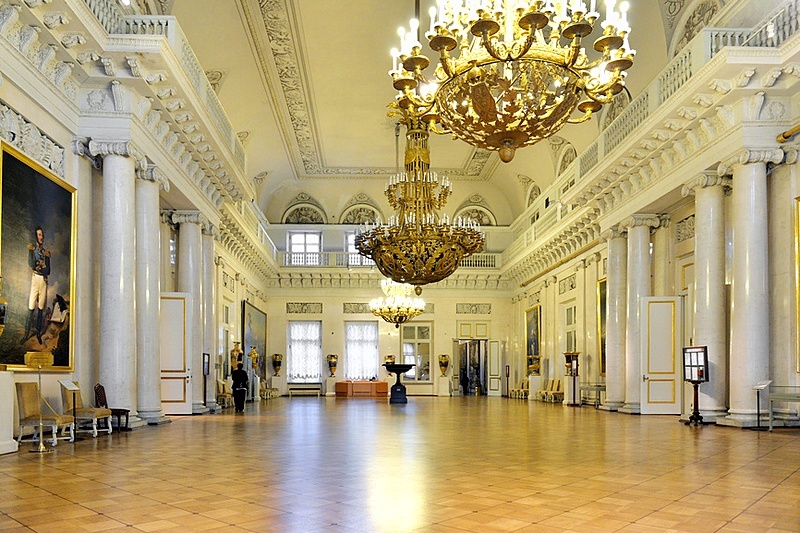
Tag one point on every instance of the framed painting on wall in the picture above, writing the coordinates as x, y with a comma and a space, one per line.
533, 330
254, 333
601, 324
37, 265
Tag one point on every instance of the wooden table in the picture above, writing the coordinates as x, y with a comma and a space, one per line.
349, 389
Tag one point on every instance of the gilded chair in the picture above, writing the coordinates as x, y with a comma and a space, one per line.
30, 409
224, 395
84, 415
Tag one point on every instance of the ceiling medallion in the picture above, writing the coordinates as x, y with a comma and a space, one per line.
416, 245
511, 72
398, 306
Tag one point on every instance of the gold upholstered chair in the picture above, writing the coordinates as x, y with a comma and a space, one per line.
30, 409
224, 395
84, 415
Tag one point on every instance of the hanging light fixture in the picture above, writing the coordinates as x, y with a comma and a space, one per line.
398, 306
416, 245
511, 72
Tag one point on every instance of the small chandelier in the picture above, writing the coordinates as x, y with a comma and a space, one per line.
511, 72
398, 306
416, 245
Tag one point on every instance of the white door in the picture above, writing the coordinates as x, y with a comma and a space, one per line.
495, 380
661, 344
176, 375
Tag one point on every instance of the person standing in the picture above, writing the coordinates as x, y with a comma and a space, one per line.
239, 377
39, 262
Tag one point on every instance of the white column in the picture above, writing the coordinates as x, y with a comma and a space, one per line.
209, 313
616, 298
750, 292
190, 245
549, 310
638, 286
662, 257
709, 278
148, 292
166, 266
117, 331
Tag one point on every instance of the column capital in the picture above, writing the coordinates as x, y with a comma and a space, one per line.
166, 216
211, 229
706, 179
664, 220
614, 232
152, 173
189, 217
651, 221
747, 156
790, 154
123, 148
219, 261
80, 146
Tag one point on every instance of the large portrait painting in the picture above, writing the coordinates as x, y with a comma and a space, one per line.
254, 333
533, 330
601, 324
36, 265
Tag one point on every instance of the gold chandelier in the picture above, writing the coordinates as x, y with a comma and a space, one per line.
511, 72
416, 245
398, 306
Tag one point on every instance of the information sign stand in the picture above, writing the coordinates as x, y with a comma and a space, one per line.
758, 387
695, 371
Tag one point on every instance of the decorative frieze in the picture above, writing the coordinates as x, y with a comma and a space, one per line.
354, 308
429, 308
27, 138
567, 284
473, 309
684, 229
303, 308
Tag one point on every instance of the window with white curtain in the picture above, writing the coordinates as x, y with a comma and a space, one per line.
361, 350
304, 352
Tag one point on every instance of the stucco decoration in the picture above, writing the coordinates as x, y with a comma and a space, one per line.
476, 208
304, 210
23, 135
473, 309
697, 17
533, 193
360, 214
567, 156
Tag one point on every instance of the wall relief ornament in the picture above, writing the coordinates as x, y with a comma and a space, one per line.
360, 215
697, 20
473, 309
684, 229
26, 137
303, 308
356, 308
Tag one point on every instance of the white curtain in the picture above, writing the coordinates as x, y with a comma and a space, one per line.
304, 352
361, 350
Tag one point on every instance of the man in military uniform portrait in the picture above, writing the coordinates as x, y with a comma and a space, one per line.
39, 262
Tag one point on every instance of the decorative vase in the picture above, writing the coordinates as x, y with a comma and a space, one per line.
444, 362
236, 354
333, 360
277, 359
253, 355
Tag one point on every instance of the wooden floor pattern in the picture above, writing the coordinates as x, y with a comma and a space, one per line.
434, 465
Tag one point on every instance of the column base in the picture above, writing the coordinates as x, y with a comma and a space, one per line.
155, 416
330, 386
212, 406
199, 409
134, 422
9, 446
610, 406
630, 409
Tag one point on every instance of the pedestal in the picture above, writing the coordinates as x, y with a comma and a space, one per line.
534, 385
7, 442
330, 386
572, 390
279, 382
444, 386
398, 390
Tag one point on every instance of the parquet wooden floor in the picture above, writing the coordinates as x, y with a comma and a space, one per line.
434, 465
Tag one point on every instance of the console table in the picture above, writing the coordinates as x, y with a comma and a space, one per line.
349, 389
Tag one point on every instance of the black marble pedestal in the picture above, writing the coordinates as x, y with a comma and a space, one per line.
398, 390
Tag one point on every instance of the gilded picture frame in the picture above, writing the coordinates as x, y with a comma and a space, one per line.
601, 323
533, 335
797, 283
37, 265
254, 333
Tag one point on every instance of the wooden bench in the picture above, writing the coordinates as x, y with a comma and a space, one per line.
305, 389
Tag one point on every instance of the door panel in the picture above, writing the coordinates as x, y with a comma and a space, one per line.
495, 382
661, 342
176, 386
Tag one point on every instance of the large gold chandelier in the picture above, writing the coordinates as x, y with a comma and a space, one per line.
398, 306
511, 72
416, 245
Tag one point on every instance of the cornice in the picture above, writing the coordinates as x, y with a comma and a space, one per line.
706, 179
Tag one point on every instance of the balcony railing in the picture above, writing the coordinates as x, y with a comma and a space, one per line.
354, 260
